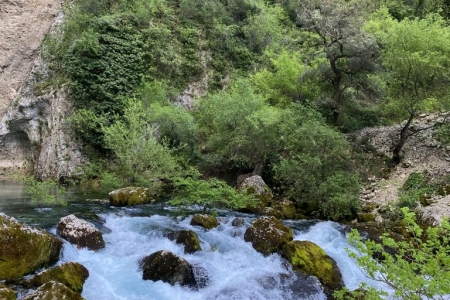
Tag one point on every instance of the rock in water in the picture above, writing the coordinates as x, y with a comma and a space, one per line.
71, 274
190, 240
24, 249
80, 233
168, 267
129, 196
268, 235
53, 290
205, 221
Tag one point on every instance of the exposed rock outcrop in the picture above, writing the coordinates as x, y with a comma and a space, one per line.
308, 258
71, 274
168, 267
129, 196
80, 232
53, 290
205, 221
255, 185
24, 249
268, 235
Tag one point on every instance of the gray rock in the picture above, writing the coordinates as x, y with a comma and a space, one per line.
80, 233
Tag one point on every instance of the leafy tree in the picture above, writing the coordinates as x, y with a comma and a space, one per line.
139, 157
237, 127
416, 55
344, 52
314, 167
415, 268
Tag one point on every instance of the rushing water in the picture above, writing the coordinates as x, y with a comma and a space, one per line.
231, 267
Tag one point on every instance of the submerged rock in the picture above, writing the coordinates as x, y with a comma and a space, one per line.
205, 221
255, 185
238, 222
190, 240
53, 290
24, 249
309, 258
129, 196
168, 267
6, 293
268, 235
71, 274
80, 233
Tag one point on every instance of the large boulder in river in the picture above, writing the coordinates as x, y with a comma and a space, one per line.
268, 234
24, 249
284, 209
53, 290
80, 232
71, 274
205, 221
130, 196
255, 185
308, 258
168, 267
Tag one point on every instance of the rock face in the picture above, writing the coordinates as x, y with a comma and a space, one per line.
73, 275
309, 258
24, 249
190, 240
281, 209
53, 290
166, 266
268, 235
80, 233
256, 186
129, 196
206, 221
33, 130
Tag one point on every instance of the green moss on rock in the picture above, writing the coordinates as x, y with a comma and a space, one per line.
129, 196
6, 293
53, 290
285, 209
71, 274
24, 249
255, 185
268, 234
206, 221
366, 217
309, 258
190, 240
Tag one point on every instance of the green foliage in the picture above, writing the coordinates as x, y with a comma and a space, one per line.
442, 134
314, 166
212, 193
419, 267
415, 187
237, 126
140, 158
46, 192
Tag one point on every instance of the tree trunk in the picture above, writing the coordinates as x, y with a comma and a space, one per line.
396, 157
337, 91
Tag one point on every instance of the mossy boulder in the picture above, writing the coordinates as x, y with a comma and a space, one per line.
366, 217
53, 290
80, 233
205, 221
255, 185
130, 196
168, 267
281, 209
6, 293
309, 258
24, 249
188, 238
238, 222
268, 234
71, 274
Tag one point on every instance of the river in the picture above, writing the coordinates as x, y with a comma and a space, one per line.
234, 270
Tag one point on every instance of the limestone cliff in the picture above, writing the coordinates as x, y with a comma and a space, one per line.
33, 129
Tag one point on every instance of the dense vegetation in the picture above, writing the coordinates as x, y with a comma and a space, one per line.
279, 82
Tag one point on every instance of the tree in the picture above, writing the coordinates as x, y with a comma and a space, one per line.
416, 56
139, 157
344, 52
415, 268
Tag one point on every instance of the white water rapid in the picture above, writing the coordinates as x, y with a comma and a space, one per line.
233, 268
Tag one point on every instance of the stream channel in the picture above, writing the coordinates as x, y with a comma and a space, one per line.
234, 270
